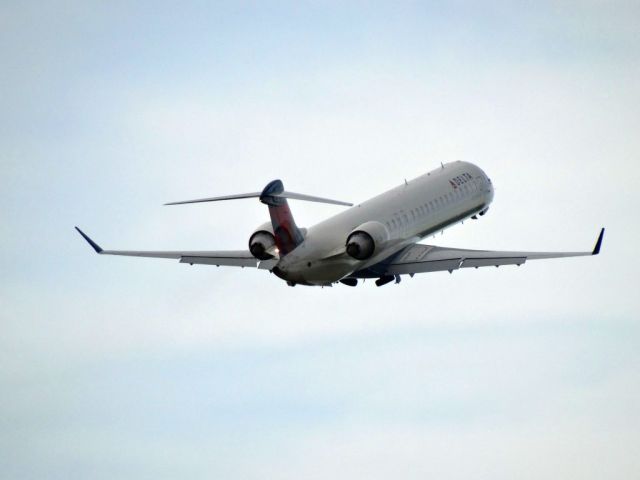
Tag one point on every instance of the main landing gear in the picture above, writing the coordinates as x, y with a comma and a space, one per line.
481, 213
387, 279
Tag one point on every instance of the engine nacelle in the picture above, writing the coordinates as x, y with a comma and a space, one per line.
262, 241
366, 240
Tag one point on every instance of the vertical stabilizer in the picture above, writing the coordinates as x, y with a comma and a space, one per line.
288, 235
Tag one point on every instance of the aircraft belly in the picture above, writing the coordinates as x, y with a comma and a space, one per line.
325, 272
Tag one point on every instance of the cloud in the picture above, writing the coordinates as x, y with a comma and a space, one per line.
418, 401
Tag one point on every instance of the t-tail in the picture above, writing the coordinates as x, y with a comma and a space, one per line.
287, 234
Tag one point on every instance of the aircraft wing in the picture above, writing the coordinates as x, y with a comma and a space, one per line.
429, 258
229, 258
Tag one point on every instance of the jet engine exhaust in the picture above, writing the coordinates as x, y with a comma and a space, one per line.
259, 243
360, 245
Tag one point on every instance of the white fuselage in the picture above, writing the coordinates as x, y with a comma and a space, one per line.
409, 212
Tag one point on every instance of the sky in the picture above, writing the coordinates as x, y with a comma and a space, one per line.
126, 368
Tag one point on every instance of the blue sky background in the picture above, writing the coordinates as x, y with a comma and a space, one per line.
134, 368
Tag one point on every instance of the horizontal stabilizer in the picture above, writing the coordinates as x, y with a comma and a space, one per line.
291, 195
272, 191
311, 198
218, 199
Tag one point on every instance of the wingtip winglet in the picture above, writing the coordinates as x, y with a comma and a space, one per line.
93, 244
596, 249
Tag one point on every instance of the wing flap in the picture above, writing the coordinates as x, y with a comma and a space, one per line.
492, 262
423, 267
219, 260
228, 258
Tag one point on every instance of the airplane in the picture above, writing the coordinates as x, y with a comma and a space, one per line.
377, 238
